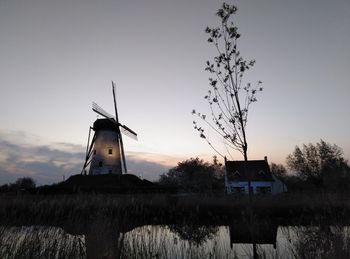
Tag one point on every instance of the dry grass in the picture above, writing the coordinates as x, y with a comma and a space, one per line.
62, 209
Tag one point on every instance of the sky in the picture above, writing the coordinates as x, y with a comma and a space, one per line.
56, 57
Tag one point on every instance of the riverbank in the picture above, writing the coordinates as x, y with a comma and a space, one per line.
295, 208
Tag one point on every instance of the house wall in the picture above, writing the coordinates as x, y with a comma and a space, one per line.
230, 185
278, 185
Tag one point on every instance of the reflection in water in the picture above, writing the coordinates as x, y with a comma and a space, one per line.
40, 242
194, 234
103, 241
242, 232
161, 242
321, 242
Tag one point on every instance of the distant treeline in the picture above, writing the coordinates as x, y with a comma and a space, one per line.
314, 167
319, 166
21, 184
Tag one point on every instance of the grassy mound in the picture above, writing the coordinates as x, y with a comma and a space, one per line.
107, 180
108, 183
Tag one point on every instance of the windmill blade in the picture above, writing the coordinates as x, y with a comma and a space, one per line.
122, 153
128, 132
101, 111
115, 102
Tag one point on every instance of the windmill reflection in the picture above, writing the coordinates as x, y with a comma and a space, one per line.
103, 240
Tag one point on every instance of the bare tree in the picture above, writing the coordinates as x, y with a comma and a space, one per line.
229, 97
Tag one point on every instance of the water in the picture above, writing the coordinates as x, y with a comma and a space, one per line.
174, 241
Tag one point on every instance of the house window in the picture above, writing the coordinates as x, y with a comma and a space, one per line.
263, 189
110, 151
237, 189
100, 164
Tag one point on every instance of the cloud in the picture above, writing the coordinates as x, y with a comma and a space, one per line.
145, 169
22, 154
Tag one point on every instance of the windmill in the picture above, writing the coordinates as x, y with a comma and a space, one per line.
105, 153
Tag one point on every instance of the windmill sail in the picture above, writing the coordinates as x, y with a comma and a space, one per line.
120, 136
128, 132
96, 108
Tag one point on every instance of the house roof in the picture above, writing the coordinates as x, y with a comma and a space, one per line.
258, 169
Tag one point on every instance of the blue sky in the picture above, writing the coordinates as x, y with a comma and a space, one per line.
59, 56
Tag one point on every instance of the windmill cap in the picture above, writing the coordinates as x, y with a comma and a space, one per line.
104, 124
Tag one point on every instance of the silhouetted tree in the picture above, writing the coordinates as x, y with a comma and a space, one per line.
191, 175
24, 183
322, 164
4, 188
229, 98
219, 174
20, 184
278, 170
291, 180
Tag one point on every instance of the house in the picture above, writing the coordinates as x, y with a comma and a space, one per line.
237, 174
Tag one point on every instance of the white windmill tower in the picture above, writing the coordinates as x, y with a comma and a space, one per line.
105, 153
